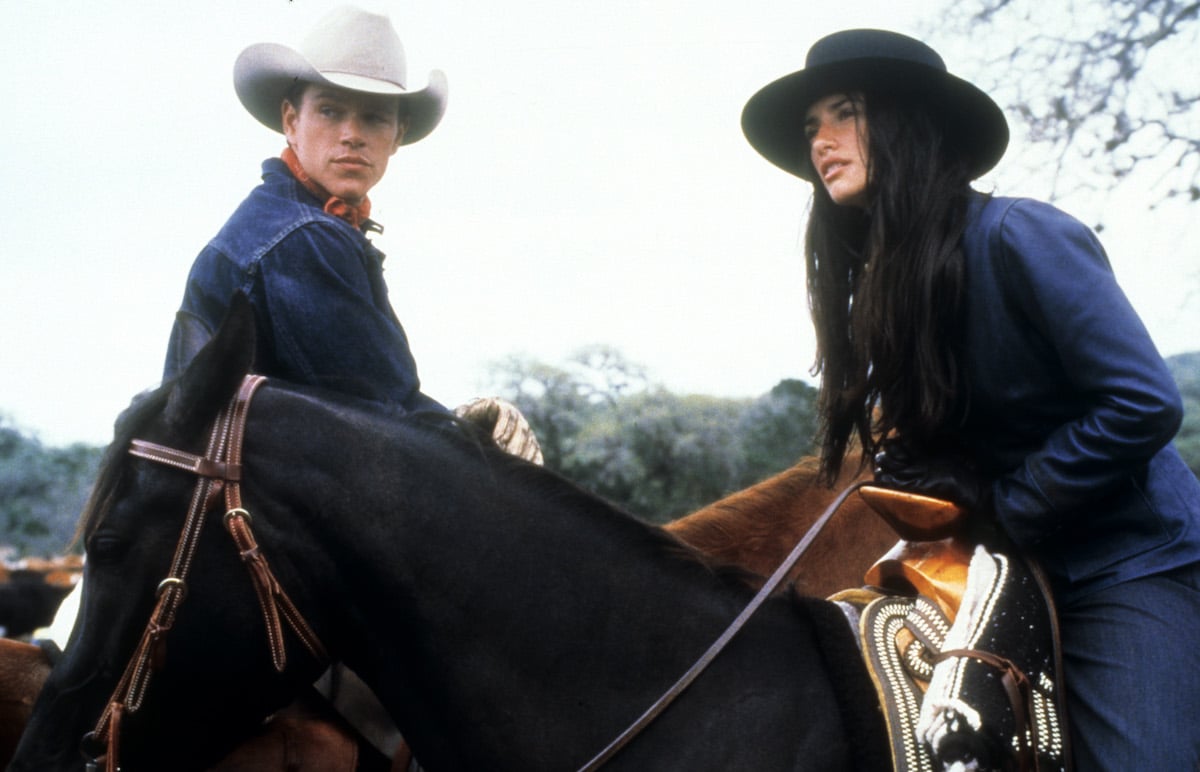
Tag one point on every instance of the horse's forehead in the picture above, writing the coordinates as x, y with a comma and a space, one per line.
133, 502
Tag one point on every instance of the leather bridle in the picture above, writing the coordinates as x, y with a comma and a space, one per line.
220, 472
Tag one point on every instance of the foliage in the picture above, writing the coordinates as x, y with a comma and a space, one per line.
1110, 83
560, 401
1186, 369
661, 455
655, 453
42, 491
776, 430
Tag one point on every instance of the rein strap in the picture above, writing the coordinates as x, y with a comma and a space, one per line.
719, 645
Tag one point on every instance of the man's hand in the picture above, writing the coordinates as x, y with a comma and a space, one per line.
505, 423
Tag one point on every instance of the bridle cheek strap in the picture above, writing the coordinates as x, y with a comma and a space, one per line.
276, 606
220, 471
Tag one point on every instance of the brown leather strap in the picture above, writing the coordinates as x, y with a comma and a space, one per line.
188, 462
114, 750
1020, 699
272, 598
706, 659
275, 604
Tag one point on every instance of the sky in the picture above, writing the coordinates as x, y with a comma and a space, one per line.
589, 184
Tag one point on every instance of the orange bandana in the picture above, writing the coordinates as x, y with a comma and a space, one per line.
338, 207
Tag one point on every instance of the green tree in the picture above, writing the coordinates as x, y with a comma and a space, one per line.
685, 451
1187, 442
42, 491
777, 430
657, 454
559, 401
1186, 369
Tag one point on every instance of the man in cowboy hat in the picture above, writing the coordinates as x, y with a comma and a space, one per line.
298, 246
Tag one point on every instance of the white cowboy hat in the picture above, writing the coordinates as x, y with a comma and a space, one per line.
349, 48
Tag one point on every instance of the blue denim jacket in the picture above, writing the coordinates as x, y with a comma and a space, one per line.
316, 284
1072, 407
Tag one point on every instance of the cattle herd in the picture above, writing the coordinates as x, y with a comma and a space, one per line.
31, 590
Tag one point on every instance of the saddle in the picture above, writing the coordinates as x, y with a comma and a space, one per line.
304, 737
962, 645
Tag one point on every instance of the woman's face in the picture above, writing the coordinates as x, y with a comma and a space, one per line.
836, 128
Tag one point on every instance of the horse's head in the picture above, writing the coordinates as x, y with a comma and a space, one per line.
207, 679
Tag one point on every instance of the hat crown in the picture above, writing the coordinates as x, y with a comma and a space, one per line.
354, 42
850, 45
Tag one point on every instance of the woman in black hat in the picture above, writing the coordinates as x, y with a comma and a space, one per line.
982, 348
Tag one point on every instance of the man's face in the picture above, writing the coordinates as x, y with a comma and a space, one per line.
343, 138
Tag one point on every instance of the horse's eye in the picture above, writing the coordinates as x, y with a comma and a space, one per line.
106, 547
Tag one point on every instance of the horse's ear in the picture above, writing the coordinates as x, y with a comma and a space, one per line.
215, 371
188, 337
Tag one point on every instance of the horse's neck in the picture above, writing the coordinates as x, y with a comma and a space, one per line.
467, 594
493, 611
505, 616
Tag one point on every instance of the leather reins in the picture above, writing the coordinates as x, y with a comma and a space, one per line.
719, 645
219, 471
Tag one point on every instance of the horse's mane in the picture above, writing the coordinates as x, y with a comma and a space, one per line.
561, 491
754, 528
129, 424
542, 482
751, 514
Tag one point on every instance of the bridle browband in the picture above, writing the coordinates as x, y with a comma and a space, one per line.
220, 472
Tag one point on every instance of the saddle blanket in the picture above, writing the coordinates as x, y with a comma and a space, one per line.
981, 692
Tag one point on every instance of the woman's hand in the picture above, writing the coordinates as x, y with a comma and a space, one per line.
942, 476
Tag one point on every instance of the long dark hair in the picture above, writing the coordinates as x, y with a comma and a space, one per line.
886, 287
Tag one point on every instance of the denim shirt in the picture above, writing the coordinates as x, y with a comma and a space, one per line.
1072, 408
316, 283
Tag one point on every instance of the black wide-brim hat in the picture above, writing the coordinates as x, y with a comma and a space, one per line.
773, 119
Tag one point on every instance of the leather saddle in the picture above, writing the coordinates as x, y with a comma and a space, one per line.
961, 643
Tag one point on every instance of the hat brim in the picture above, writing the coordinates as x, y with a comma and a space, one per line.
773, 119
264, 73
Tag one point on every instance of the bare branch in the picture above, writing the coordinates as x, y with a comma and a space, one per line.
1109, 83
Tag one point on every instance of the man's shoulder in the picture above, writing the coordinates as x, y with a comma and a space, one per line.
273, 212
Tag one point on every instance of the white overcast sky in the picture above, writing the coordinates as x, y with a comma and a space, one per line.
589, 184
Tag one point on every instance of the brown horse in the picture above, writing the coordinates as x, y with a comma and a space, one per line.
306, 737
23, 668
754, 529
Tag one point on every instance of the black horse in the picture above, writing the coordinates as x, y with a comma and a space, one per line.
506, 619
